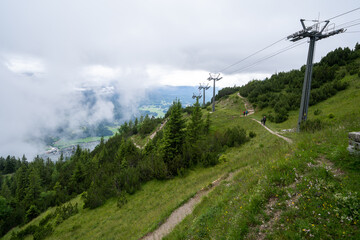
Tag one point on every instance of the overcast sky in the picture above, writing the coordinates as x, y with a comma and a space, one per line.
49, 49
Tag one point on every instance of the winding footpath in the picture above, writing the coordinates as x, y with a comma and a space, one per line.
275, 133
151, 136
251, 111
248, 106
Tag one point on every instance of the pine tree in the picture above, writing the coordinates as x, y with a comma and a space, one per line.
146, 126
5, 190
195, 130
127, 152
34, 188
49, 169
5, 213
207, 124
77, 179
21, 177
136, 126
10, 165
174, 136
59, 193
196, 125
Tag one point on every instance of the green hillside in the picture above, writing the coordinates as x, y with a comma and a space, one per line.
307, 190
268, 188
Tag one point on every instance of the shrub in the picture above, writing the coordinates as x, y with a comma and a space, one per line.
175, 164
331, 115
234, 136
38, 232
31, 213
317, 112
122, 200
43, 231
93, 198
181, 172
65, 211
209, 159
352, 68
222, 159
46, 219
225, 92
281, 116
340, 85
270, 117
128, 180
252, 134
29, 230
340, 74
311, 125
152, 166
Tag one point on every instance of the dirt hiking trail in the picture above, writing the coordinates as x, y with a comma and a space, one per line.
180, 213
251, 110
151, 136
248, 106
275, 133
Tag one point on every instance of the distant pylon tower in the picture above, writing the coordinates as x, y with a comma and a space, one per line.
204, 88
314, 34
215, 77
196, 96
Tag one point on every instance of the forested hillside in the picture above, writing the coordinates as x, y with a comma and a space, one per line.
282, 91
113, 169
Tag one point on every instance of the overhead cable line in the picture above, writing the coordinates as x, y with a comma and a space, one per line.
352, 25
269, 56
342, 14
352, 32
282, 39
358, 19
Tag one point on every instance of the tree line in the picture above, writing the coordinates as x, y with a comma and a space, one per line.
114, 169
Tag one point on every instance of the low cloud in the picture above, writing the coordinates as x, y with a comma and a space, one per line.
35, 105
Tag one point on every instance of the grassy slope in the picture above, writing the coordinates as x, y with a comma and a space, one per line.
266, 170
294, 195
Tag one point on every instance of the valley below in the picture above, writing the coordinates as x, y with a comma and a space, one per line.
54, 153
